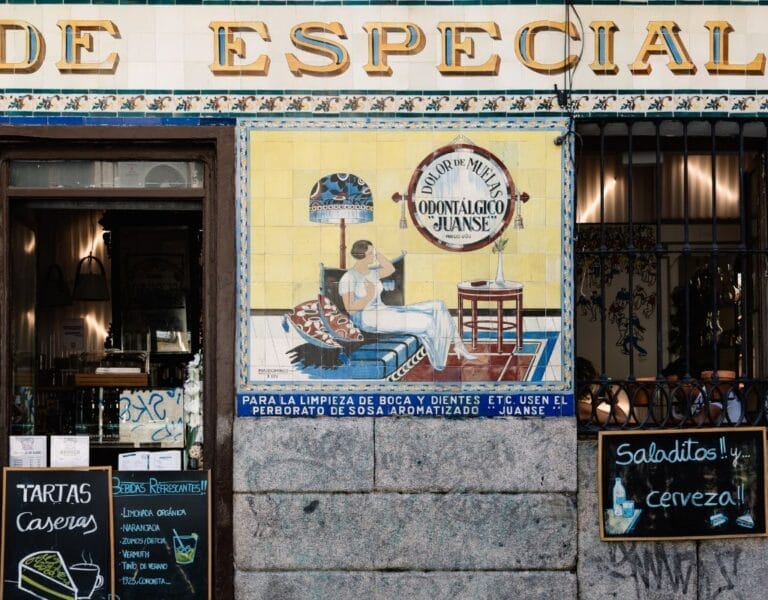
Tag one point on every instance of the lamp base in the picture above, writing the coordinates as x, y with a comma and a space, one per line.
343, 245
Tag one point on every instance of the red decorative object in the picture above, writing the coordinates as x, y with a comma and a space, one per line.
306, 320
337, 323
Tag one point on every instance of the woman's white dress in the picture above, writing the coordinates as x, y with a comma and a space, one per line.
429, 321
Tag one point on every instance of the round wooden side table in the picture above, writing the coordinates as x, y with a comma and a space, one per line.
490, 291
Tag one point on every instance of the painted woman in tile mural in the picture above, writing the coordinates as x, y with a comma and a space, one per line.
360, 289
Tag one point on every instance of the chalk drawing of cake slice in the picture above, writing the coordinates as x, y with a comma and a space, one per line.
44, 575
746, 520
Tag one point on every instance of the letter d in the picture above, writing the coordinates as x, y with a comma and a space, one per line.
34, 47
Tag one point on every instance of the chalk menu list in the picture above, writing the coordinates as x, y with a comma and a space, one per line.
162, 534
682, 484
57, 534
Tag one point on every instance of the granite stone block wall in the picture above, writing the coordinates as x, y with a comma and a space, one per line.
405, 508
450, 509
431, 509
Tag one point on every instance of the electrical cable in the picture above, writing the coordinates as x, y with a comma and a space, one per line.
564, 96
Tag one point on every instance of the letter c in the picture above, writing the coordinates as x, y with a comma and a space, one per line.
525, 46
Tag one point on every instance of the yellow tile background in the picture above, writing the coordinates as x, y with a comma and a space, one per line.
287, 249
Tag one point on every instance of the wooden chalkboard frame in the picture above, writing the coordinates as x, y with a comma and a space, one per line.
603, 435
107, 495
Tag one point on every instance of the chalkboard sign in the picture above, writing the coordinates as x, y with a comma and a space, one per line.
57, 534
162, 531
682, 484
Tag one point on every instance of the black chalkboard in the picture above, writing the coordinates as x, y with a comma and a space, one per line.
162, 534
682, 484
57, 534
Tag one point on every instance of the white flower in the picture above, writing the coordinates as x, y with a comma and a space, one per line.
194, 420
193, 397
192, 388
192, 405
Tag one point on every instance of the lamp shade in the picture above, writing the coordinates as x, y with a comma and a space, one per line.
341, 197
89, 284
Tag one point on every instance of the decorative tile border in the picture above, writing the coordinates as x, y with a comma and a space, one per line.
377, 103
383, 2
469, 123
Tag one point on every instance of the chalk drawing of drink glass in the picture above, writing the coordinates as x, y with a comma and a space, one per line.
184, 548
87, 578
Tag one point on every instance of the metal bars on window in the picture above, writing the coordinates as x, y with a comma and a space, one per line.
671, 273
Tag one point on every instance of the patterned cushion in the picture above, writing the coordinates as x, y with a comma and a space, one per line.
338, 324
306, 320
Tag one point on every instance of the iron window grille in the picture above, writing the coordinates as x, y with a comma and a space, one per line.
671, 273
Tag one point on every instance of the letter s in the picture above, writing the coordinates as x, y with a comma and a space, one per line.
621, 450
302, 37
85, 494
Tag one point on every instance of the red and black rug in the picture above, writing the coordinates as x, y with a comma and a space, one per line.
490, 366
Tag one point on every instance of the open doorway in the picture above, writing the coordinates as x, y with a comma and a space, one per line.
155, 206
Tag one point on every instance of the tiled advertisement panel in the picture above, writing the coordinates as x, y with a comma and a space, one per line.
287, 371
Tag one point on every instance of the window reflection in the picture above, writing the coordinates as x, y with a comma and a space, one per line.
81, 174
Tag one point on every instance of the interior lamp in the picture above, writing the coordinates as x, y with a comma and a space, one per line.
341, 198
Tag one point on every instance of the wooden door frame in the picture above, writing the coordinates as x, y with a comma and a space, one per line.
216, 147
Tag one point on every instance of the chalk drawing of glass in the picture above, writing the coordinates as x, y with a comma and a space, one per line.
184, 548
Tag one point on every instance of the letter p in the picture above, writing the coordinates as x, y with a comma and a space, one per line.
379, 47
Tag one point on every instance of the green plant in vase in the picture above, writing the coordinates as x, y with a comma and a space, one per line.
498, 249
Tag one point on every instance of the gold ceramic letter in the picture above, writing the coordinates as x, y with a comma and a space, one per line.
74, 40
226, 46
663, 38
34, 48
718, 53
453, 46
525, 46
604, 34
379, 46
303, 38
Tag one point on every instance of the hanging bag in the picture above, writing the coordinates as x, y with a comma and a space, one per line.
90, 285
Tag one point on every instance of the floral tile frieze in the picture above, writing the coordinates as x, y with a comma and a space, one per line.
239, 104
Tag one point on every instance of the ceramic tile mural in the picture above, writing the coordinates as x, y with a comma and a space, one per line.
443, 292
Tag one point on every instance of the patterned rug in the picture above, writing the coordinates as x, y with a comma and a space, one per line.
402, 358
490, 366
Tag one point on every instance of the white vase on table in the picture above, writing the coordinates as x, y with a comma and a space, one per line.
499, 281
